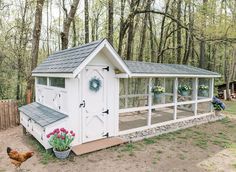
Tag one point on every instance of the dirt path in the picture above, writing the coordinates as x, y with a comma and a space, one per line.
209, 147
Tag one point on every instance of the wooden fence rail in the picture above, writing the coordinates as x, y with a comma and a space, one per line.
9, 115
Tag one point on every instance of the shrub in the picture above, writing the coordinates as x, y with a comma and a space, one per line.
218, 104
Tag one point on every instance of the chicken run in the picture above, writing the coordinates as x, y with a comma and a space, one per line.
89, 89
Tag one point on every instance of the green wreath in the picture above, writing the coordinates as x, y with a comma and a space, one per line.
95, 84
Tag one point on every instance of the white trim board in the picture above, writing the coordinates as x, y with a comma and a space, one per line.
124, 132
171, 75
59, 75
134, 109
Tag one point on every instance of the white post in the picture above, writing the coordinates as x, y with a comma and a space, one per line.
117, 106
126, 92
149, 102
211, 90
195, 95
175, 98
48, 81
163, 98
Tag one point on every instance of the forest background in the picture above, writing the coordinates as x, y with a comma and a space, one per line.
201, 33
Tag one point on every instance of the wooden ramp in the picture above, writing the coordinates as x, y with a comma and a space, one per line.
97, 145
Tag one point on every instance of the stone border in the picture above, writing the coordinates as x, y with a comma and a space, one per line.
166, 128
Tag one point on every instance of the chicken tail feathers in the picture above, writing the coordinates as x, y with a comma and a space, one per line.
8, 149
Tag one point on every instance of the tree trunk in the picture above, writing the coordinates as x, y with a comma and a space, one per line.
151, 38
110, 21
86, 20
134, 4
74, 34
143, 32
35, 47
47, 28
130, 39
93, 29
202, 61
179, 34
162, 33
188, 34
122, 31
20, 53
227, 74
67, 22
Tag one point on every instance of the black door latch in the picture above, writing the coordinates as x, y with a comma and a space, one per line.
82, 104
107, 111
106, 68
106, 135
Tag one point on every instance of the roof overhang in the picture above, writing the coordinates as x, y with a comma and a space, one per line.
148, 75
59, 75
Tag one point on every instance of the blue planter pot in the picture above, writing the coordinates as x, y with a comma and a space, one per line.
62, 154
184, 93
158, 96
204, 93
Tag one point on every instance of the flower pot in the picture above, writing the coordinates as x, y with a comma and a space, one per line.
184, 93
204, 93
158, 95
61, 154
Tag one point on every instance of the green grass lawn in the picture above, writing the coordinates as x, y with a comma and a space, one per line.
230, 107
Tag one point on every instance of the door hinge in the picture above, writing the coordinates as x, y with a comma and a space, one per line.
106, 135
107, 111
106, 68
82, 104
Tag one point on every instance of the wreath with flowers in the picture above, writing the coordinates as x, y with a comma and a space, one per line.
95, 84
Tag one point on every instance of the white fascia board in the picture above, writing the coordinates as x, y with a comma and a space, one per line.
103, 44
59, 75
122, 75
117, 57
173, 75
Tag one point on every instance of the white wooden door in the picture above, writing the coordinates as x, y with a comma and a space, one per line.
95, 112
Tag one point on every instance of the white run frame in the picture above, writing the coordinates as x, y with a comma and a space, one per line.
194, 102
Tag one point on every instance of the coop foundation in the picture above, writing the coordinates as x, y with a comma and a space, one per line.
170, 127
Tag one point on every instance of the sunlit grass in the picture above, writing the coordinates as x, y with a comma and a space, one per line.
230, 107
45, 155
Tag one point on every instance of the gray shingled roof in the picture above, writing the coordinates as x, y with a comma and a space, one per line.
159, 68
42, 115
66, 61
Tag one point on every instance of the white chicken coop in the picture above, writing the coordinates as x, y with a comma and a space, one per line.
89, 89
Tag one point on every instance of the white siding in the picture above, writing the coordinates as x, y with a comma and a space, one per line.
65, 100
